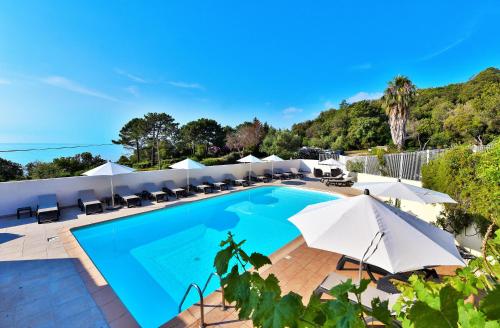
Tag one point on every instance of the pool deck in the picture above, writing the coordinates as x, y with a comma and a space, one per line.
47, 280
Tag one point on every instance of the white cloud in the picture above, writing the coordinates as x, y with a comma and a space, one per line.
364, 96
186, 85
133, 90
329, 105
5, 81
64, 83
290, 112
448, 47
132, 77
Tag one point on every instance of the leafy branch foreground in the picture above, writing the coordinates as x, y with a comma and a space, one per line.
451, 303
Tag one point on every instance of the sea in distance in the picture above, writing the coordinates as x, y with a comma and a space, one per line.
35, 152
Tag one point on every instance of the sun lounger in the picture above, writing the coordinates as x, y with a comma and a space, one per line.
285, 175
344, 182
334, 279
336, 172
335, 177
171, 188
88, 202
384, 282
198, 186
214, 184
47, 208
296, 173
154, 193
127, 197
259, 178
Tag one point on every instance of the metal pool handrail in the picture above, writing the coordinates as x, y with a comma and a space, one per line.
222, 289
200, 293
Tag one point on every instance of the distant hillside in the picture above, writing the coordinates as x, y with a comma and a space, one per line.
439, 117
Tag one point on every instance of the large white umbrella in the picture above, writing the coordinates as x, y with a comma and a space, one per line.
250, 159
331, 162
376, 233
187, 164
272, 159
400, 190
110, 169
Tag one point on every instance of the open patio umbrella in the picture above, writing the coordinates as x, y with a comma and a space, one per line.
400, 190
110, 169
250, 159
272, 159
187, 164
376, 233
331, 162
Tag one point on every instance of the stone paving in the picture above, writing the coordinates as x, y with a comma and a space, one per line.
47, 280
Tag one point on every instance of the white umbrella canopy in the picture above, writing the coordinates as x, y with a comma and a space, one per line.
367, 229
250, 159
187, 164
400, 190
110, 169
272, 158
331, 162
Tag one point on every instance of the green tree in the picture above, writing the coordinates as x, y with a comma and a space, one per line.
133, 135
398, 97
10, 170
160, 127
64, 166
467, 123
283, 143
247, 136
204, 132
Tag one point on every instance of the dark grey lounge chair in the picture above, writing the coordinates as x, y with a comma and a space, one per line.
231, 179
199, 186
259, 178
285, 175
171, 188
296, 173
334, 279
88, 202
335, 177
214, 184
344, 182
47, 208
153, 192
127, 197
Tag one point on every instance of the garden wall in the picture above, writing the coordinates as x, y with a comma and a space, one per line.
24, 193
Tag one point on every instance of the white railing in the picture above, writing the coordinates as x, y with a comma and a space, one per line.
406, 165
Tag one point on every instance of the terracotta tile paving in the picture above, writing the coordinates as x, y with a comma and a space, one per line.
47, 280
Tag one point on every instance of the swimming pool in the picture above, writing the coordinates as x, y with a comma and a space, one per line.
150, 259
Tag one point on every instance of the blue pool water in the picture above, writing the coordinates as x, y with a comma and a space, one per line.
150, 259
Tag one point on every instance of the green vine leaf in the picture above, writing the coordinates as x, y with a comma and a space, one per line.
258, 260
490, 305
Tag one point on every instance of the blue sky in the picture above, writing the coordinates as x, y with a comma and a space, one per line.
75, 72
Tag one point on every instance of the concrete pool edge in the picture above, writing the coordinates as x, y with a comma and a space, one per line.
115, 313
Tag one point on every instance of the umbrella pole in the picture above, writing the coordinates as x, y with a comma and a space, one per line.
188, 181
272, 170
249, 179
112, 193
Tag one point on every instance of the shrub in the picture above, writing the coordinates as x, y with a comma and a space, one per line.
355, 166
472, 179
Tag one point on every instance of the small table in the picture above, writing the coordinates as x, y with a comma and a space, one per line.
22, 210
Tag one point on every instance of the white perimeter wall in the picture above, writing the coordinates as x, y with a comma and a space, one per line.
17, 194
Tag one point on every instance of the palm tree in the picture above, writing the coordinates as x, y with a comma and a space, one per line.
397, 100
